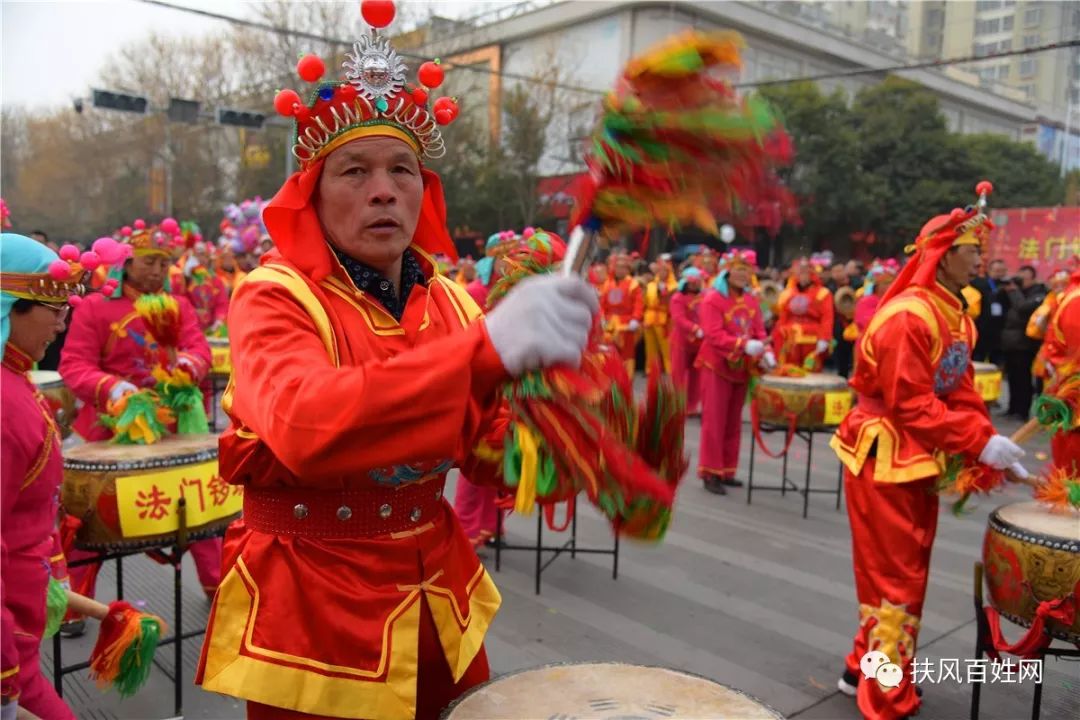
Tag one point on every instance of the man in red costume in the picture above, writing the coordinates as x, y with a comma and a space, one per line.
360, 377
686, 335
1062, 352
623, 305
734, 343
804, 324
916, 401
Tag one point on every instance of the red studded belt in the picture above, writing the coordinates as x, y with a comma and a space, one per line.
361, 513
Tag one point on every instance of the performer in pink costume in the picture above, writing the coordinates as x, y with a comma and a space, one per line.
205, 289
109, 353
734, 342
34, 310
686, 336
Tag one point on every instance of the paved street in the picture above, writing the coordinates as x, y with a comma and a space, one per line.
754, 597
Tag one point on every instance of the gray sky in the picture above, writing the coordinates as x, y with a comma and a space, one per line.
53, 51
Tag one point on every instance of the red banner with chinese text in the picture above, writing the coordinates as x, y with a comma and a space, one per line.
1044, 238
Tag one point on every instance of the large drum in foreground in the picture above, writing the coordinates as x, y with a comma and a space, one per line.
816, 400
60, 399
127, 496
606, 691
1031, 555
988, 381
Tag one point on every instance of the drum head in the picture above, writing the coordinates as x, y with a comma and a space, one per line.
1036, 523
810, 381
606, 691
170, 451
46, 379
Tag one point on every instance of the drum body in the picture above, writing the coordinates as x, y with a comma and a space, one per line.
817, 400
1031, 555
606, 691
89, 492
221, 360
988, 381
60, 399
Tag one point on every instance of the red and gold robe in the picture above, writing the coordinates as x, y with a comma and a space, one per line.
916, 405
209, 296
804, 316
657, 321
621, 303
347, 559
1062, 351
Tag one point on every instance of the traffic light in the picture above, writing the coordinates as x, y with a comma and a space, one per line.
120, 101
240, 118
185, 111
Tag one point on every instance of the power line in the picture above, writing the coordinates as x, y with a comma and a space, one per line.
928, 64
917, 66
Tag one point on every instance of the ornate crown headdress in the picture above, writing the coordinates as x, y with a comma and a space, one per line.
964, 226
154, 239
372, 97
66, 279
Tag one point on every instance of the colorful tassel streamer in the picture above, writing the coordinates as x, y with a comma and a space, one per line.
961, 477
161, 314
179, 393
1060, 490
124, 652
56, 605
137, 419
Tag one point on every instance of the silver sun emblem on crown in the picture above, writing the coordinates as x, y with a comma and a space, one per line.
374, 68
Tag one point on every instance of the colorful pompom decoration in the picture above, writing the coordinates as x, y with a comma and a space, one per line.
378, 13
286, 102
169, 226
69, 253
431, 73
124, 651
140, 224
59, 270
310, 68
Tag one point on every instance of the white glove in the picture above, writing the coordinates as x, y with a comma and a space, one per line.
545, 320
1019, 471
768, 361
187, 365
822, 347
191, 264
121, 389
699, 333
754, 348
633, 326
1000, 452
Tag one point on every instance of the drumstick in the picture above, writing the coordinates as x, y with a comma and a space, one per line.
578, 252
1030, 480
1027, 431
82, 605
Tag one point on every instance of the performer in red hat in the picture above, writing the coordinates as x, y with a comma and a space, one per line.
734, 342
623, 305
110, 352
360, 377
33, 308
916, 403
804, 324
1062, 352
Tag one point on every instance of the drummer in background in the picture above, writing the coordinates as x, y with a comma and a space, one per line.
205, 289
658, 293
1062, 354
33, 310
734, 345
360, 377
915, 399
878, 280
804, 324
622, 303
109, 354
685, 337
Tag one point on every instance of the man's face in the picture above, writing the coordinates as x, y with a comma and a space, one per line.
1027, 278
33, 331
368, 199
468, 271
803, 278
960, 264
709, 263
622, 268
663, 272
738, 277
146, 273
997, 270
852, 268
839, 274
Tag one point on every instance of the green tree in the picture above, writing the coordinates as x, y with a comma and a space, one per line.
1021, 175
824, 173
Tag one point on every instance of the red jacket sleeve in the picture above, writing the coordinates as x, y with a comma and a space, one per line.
638, 298
322, 421
193, 344
15, 461
956, 424
1063, 333
681, 322
80, 360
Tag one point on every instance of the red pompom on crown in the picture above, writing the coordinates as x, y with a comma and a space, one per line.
378, 13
